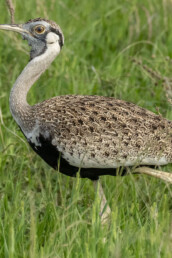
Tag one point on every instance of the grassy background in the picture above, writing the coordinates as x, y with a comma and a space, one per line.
44, 213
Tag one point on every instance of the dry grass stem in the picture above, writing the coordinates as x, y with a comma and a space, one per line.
105, 211
11, 10
167, 82
167, 177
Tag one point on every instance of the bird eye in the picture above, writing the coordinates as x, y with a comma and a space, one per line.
39, 29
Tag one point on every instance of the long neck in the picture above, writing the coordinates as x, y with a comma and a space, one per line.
33, 70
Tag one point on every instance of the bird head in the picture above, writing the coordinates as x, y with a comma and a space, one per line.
40, 34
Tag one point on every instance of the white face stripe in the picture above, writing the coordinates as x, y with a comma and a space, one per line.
52, 38
53, 49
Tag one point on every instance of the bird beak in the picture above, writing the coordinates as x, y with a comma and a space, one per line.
16, 28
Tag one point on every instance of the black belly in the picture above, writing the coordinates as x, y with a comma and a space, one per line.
52, 157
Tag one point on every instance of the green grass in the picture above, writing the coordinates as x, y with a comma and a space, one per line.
44, 213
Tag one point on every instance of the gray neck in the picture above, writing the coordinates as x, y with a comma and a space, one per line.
19, 107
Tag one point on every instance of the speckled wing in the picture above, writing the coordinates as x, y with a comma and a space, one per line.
102, 132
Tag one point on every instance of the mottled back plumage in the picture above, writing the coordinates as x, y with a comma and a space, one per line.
102, 132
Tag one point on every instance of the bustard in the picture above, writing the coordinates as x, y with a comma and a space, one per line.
90, 134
